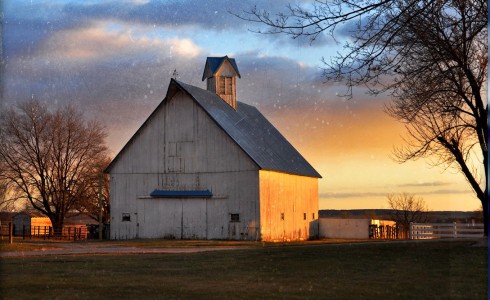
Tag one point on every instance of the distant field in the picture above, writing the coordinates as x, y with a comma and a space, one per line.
411, 270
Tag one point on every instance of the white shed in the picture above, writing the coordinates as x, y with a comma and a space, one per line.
206, 166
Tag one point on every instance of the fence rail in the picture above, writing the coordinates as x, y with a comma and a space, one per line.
445, 230
46, 232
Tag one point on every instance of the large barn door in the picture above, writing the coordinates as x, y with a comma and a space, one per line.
194, 219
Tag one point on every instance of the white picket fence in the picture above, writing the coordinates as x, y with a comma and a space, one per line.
444, 230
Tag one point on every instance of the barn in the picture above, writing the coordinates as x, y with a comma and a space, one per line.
206, 166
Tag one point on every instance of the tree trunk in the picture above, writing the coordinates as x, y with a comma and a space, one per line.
57, 227
484, 203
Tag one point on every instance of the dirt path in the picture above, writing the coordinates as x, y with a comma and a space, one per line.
94, 249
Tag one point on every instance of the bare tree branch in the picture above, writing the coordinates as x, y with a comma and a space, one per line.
49, 157
431, 56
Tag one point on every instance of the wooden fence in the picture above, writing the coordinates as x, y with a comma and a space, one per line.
76, 233
444, 230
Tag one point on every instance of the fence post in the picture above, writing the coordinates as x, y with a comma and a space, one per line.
11, 240
455, 234
23, 232
410, 233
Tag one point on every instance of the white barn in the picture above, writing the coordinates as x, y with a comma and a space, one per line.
206, 166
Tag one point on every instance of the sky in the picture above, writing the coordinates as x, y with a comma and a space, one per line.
114, 60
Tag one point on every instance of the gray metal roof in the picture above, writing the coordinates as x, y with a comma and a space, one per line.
262, 142
215, 62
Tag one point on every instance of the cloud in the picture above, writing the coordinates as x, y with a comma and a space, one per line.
333, 195
204, 14
425, 184
28, 26
116, 76
352, 195
275, 82
445, 191
107, 40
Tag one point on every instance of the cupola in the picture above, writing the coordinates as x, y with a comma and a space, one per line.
221, 73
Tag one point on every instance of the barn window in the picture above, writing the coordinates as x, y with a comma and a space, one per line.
304, 216
224, 87
282, 216
235, 218
313, 216
126, 217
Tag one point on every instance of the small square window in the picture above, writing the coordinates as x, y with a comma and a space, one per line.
235, 218
313, 216
282, 216
304, 216
126, 217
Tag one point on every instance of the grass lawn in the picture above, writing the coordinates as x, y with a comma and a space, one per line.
414, 270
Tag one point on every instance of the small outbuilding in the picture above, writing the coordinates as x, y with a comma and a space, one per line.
26, 222
341, 228
207, 166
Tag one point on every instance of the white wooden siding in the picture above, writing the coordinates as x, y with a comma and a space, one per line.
181, 129
181, 148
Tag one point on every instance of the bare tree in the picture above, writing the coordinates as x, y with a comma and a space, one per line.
4, 205
406, 208
48, 157
89, 204
431, 56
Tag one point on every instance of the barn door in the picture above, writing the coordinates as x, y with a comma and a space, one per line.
194, 219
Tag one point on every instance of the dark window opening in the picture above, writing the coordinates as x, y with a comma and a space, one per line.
313, 216
126, 217
304, 216
282, 216
235, 218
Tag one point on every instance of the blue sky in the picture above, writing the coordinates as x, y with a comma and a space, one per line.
115, 59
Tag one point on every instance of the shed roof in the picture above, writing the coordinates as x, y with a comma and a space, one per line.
214, 63
250, 130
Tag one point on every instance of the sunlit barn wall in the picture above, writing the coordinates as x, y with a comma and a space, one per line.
288, 206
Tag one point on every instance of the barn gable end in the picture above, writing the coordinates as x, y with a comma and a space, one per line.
202, 167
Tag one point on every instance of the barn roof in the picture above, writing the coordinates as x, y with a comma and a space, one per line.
262, 142
250, 130
214, 63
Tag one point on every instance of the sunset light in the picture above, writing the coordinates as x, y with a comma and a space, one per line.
116, 63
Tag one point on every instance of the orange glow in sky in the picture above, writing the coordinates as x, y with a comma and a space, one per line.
353, 153
115, 60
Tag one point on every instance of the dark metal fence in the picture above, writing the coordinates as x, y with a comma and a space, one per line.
76, 233
79, 232
387, 232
